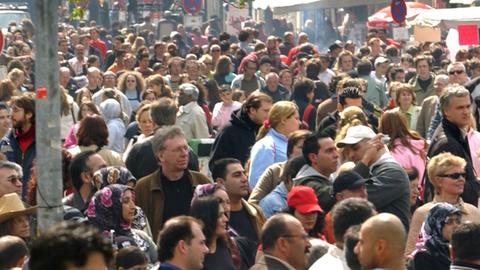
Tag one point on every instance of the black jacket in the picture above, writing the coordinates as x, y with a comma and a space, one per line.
448, 138
235, 139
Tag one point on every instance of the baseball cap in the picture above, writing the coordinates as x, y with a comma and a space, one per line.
355, 134
303, 199
381, 60
348, 180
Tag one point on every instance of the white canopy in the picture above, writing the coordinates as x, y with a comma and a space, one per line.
447, 17
297, 5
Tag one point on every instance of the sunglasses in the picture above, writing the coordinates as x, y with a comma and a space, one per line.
458, 72
454, 175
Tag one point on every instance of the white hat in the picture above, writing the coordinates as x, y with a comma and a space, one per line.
381, 60
355, 134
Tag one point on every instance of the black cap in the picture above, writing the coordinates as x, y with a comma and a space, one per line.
265, 60
124, 241
348, 180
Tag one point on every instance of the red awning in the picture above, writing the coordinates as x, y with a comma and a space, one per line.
383, 17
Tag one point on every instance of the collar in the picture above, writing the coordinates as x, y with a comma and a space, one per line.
453, 129
278, 135
287, 265
386, 157
156, 184
187, 108
168, 266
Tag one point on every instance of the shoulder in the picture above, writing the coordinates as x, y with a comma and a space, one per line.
199, 178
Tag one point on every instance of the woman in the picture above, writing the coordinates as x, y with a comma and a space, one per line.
271, 145
69, 111
14, 217
112, 113
223, 71
303, 205
86, 109
344, 62
406, 146
303, 93
7, 90
223, 110
92, 135
157, 84
132, 85
212, 214
112, 211
286, 79
447, 174
406, 104
145, 125
412, 174
433, 253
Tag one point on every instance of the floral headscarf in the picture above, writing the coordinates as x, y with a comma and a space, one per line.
206, 190
113, 175
432, 230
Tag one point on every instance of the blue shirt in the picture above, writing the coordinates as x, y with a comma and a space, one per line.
270, 149
167, 266
275, 201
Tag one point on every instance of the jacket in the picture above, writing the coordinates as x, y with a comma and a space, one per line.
448, 138
308, 176
11, 149
411, 115
419, 92
426, 114
256, 216
407, 158
235, 139
192, 120
268, 181
150, 197
389, 189
275, 201
267, 262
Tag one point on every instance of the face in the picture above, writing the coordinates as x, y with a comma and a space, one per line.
196, 249
5, 122
406, 99
145, 123
355, 152
192, 70
292, 123
265, 68
224, 200
272, 83
94, 78
236, 182
451, 223
326, 159
174, 157
19, 117
176, 68
457, 75
63, 47
381, 69
10, 181
250, 68
458, 112
109, 81
128, 206
182, 98
298, 244
79, 52
261, 114
95, 261
347, 63
286, 79
297, 148
423, 68
222, 220
20, 226
360, 192
365, 249
131, 82
226, 96
400, 77
414, 191
448, 184
308, 220
439, 85
96, 162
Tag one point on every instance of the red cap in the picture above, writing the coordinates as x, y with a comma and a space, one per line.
303, 199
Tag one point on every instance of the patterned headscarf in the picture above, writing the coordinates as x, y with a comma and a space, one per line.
113, 175
206, 190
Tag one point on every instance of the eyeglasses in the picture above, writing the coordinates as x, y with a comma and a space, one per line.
455, 175
14, 178
302, 236
458, 72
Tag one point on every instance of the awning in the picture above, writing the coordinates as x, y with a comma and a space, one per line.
299, 5
448, 17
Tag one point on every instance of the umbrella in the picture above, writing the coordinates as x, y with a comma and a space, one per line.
383, 18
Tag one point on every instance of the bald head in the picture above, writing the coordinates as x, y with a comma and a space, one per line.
13, 251
389, 227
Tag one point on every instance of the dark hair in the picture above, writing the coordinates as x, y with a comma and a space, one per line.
254, 100
350, 240
319, 223
75, 241
119, 38
90, 105
394, 71
312, 69
348, 92
93, 131
25, 101
174, 230
219, 169
421, 58
364, 67
465, 239
243, 35
349, 212
301, 88
206, 210
164, 112
274, 228
129, 257
291, 169
412, 173
294, 138
311, 145
77, 166
12, 249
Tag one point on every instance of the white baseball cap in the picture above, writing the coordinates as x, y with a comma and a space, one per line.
355, 134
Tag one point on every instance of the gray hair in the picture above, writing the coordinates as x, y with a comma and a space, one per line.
189, 90
456, 64
442, 78
5, 164
452, 90
164, 134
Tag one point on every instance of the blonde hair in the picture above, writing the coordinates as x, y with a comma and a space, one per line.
351, 116
441, 163
404, 87
279, 112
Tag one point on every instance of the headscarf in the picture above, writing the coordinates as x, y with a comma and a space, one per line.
432, 230
206, 190
113, 175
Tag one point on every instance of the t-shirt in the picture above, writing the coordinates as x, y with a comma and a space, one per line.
249, 85
178, 196
241, 223
220, 260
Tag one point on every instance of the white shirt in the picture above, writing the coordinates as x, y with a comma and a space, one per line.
326, 76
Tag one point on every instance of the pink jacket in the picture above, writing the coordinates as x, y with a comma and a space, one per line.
408, 159
474, 143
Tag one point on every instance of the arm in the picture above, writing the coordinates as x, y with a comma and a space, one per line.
261, 157
266, 183
200, 126
415, 225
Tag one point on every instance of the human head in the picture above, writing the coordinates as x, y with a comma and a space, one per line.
284, 237
455, 105
94, 76
350, 240
144, 119
440, 82
382, 242
14, 217
381, 66
440, 169
130, 258
81, 246
250, 67
187, 93
283, 117
355, 141
182, 240
212, 214
412, 174
92, 131
349, 96
303, 204
13, 252
394, 124
83, 166
422, 65
87, 108
345, 61
23, 110
230, 173
295, 142
257, 106
349, 184
303, 90
272, 80
440, 222
10, 178
404, 95
464, 243
319, 151
163, 112
457, 73
131, 80
171, 148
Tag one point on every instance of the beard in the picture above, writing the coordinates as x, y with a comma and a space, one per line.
18, 124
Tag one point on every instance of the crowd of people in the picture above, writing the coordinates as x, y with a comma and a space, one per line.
351, 158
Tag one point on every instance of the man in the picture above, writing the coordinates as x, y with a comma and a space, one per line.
97, 43
81, 169
274, 89
245, 218
464, 247
82, 248
110, 55
284, 244
181, 244
457, 73
143, 68
13, 252
10, 178
168, 191
238, 136
248, 81
321, 156
347, 213
451, 137
375, 88
63, 47
382, 243
19, 144
325, 74
66, 81
175, 70
94, 77
375, 45
380, 72
244, 41
389, 189
191, 117
110, 85
79, 62
287, 44
430, 107
5, 122
423, 81
141, 160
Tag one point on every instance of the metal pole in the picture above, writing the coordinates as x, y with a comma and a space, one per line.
47, 122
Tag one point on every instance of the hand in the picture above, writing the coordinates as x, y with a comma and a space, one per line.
2, 156
373, 147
